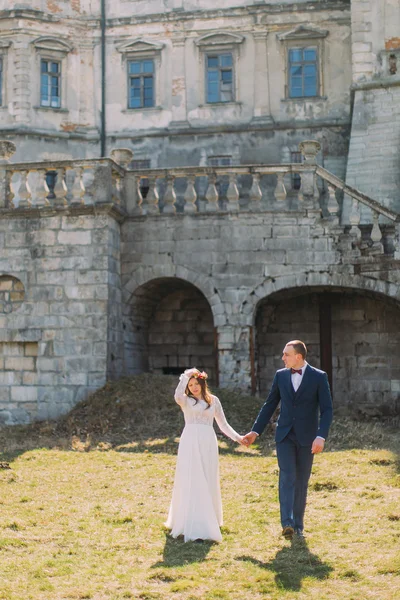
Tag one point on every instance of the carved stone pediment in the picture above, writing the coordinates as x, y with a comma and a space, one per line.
303, 33
139, 45
53, 44
219, 38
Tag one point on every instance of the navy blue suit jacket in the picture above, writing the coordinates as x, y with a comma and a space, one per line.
308, 411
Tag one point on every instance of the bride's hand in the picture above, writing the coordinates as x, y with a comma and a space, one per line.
190, 372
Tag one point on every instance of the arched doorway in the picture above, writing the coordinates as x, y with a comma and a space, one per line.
353, 335
168, 328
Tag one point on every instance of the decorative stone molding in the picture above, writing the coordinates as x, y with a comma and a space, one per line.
122, 156
141, 46
303, 33
310, 149
52, 44
7, 149
219, 38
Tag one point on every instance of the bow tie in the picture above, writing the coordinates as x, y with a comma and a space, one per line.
299, 371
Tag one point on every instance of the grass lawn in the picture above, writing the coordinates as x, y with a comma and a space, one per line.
83, 503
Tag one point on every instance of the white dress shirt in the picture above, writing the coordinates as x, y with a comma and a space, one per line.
297, 378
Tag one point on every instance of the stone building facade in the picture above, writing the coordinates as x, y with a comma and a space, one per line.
214, 232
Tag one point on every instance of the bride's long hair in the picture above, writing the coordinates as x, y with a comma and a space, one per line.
205, 390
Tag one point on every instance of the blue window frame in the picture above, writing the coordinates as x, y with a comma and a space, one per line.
303, 72
50, 83
219, 78
141, 84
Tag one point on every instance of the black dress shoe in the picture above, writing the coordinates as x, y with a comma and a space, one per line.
288, 532
299, 533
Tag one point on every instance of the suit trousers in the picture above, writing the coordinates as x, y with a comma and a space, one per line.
295, 464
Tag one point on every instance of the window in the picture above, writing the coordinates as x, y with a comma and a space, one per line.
50, 83
220, 161
296, 157
219, 78
1, 81
303, 49
303, 72
141, 84
140, 163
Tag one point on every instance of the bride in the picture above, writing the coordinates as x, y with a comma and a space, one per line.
196, 508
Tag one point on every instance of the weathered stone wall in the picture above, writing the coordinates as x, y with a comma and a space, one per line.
54, 345
237, 261
260, 125
375, 36
277, 323
365, 335
373, 165
181, 333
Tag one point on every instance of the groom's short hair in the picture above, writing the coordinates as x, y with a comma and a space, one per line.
299, 347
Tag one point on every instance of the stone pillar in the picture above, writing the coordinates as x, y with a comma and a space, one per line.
262, 107
22, 92
7, 149
234, 347
309, 188
123, 157
179, 110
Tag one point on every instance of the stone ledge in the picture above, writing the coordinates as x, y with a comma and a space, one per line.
35, 212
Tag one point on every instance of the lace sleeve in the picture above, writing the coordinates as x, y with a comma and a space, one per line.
180, 396
223, 423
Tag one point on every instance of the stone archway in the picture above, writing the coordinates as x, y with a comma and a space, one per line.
169, 327
365, 334
311, 280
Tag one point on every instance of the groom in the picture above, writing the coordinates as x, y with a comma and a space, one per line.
303, 392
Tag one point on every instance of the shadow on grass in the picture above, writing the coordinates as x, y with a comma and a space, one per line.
293, 564
177, 553
170, 446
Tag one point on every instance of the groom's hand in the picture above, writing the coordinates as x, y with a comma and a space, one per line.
249, 438
318, 445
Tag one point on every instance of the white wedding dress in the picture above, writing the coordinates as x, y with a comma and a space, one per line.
196, 508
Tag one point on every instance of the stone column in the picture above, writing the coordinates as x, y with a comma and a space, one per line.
234, 347
262, 109
309, 189
7, 149
22, 92
179, 110
123, 157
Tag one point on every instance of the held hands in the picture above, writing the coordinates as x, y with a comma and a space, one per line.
249, 438
318, 445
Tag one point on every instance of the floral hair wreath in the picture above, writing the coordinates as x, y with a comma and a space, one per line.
200, 375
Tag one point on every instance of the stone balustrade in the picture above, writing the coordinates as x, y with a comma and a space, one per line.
190, 190
58, 184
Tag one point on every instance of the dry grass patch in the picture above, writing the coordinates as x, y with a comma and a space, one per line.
83, 506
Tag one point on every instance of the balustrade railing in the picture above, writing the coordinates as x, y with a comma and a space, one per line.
62, 184
189, 190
